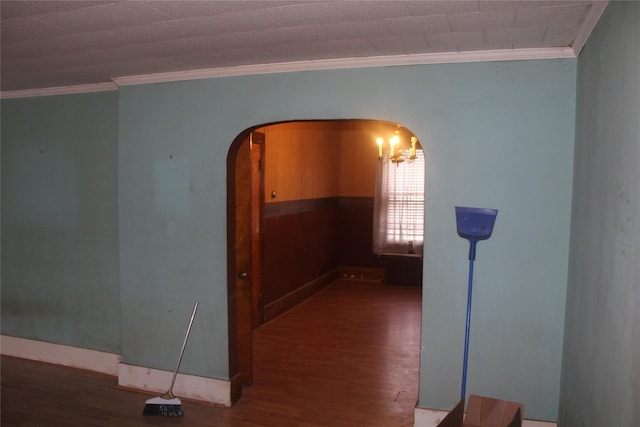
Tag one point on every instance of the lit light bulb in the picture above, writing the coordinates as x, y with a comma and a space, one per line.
392, 143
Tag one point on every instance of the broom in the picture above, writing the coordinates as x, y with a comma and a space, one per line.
168, 405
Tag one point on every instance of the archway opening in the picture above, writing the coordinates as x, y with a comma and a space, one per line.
312, 215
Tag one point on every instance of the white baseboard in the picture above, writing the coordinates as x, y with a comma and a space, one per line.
59, 354
534, 423
431, 417
210, 390
427, 417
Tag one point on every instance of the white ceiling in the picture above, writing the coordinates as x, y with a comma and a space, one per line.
53, 44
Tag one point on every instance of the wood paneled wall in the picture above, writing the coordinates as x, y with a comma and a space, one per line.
298, 248
355, 237
317, 159
301, 161
358, 160
323, 177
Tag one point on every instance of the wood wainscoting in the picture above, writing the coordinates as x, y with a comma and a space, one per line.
309, 243
299, 250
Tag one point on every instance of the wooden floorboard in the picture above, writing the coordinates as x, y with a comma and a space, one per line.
347, 356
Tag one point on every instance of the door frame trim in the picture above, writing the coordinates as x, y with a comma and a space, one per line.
235, 377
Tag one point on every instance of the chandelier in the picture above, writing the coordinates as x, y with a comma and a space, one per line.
395, 153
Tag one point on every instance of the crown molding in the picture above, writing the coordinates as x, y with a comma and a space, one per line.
363, 62
59, 90
592, 18
284, 67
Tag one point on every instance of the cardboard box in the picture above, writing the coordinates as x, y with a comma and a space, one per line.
485, 412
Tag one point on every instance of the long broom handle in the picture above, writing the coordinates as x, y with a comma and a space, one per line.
466, 332
184, 344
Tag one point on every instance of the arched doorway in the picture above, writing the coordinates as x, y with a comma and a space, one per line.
321, 165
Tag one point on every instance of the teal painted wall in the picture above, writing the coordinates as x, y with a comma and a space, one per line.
601, 369
60, 274
498, 135
504, 143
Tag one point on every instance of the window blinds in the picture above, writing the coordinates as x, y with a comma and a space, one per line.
399, 208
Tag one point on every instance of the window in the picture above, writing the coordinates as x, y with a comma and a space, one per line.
398, 218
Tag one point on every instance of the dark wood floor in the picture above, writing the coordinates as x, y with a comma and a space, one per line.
348, 356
